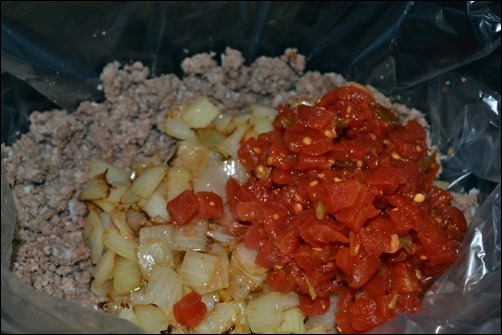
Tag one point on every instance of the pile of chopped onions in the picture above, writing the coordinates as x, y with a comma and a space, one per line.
145, 263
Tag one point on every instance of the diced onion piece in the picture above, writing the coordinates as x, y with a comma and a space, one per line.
119, 221
231, 144
152, 233
113, 174
221, 320
264, 112
138, 297
104, 205
214, 175
95, 188
293, 321
126, 276
129, 197
115, 242
220, 278
102, 290
191, 236
104, 268
245, 257
106, 221
154, 252
128, 314
262, 118
191, 155
156, 208
264, 313
197, 269
179, 129
316, 330
117, 190
222, 123
164, 288
262, 125
146, 183
240, 285
178, 180
93, 234
289, 300
325, 320
150, 318
199, 113
136, 219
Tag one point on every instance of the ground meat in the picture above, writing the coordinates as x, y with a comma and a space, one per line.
47, 166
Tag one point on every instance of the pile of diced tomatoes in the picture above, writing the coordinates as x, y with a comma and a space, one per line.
341, 201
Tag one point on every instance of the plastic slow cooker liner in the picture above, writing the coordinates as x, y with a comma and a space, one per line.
415, 52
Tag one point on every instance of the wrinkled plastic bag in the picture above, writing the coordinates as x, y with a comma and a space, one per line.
442, 58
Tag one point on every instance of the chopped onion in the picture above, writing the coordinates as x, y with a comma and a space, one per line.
293, 321
191, 236
102, 290
150, 318
119, 221
104, 268
230, 145
179, 129
106, 221
191, 155
220, 277
197, 269
152, 233
126, 276
95, 188
93, 234
199, 113
214, 175
245, 257
104, 205
264, 313
121, 246
113, 174
289, 300
146, 183
117, 190
178, 180
154, 252
164, 288
240, 285
221, 320
135, 220
129, 197
128, 314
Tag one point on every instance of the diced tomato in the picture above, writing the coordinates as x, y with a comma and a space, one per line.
268, 255
190, 311
348, 208
280, 281
210, 205
359, 269
340, 195
255, 236
386, 179
437, 247
363, 314
313, 307
377, 236
248, 211
183, 207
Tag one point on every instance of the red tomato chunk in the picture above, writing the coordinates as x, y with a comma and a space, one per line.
190, 310
346, 208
